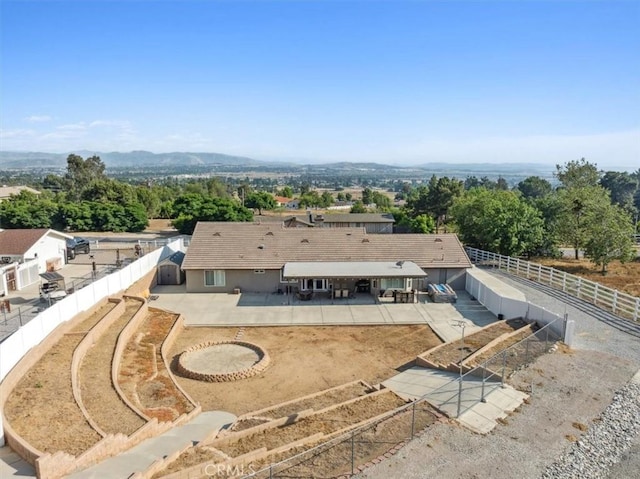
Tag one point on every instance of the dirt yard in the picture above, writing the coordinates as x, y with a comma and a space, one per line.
42, 409
623, 277
305, 360
143, 376
455, 351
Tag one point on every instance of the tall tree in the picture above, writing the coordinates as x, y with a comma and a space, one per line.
441, 194
498, 221
260, 200
534, 187
577, 214
610, 237
80, 173
578, 174
622, 187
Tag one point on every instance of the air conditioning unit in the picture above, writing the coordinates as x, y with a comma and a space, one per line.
6, 259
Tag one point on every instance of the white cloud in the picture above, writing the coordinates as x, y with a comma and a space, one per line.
81, 126
38, 118
16, 134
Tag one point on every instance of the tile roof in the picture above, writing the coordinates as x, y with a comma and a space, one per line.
217, 245
7, 191
18, 241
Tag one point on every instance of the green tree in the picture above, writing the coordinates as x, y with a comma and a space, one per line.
28, 210
621, 186
191, 208
367, 196
440, 195
577, 214
534, 187
326, 199
80, 173
610, 237
358, 207
287, 192
577, 174
260, 200
422, 224
382, 201
498, 221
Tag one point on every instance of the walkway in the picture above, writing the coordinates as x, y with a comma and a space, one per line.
442, 389
246, 309
140, 457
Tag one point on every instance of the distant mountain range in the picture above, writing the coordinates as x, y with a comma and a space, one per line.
21, 159
141, 158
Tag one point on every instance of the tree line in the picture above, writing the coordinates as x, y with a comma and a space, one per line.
588, 209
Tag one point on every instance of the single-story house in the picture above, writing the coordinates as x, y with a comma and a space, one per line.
281, 201
26, 253
263, 257
7, 191
381, 223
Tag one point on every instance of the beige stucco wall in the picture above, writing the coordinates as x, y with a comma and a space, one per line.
246, 280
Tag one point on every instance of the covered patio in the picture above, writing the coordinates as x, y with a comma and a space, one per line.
308, 281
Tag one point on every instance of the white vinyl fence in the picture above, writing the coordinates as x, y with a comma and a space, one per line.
15, 346
619, 303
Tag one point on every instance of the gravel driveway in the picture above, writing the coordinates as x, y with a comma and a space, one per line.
570, 416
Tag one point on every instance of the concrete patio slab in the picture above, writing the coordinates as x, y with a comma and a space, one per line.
443, 390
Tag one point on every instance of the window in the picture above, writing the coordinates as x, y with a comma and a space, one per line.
392, 283
214, 277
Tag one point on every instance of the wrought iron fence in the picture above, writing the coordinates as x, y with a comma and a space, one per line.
619, 303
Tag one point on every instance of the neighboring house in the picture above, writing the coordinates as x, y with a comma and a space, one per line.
7, 191
262, 257
293, 204
26, 253
282, 201
381, 223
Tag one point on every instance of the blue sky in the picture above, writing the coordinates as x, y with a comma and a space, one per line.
387, 81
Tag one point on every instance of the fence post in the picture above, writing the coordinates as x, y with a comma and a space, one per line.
528, 269
353, 467
484, 370
614, 306
595, 294
270, 471
578, 286
546, 338
564, 281
459, 396
504, 366
413, 419
539, 272
551, 277
526, 354
635, 313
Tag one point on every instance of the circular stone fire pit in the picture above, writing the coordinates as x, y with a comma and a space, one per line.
222, 361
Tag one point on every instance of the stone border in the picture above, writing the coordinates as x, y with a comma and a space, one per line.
257, 368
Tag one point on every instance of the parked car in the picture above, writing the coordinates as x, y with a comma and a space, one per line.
77, 245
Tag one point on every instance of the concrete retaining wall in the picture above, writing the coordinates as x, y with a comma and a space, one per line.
502, 299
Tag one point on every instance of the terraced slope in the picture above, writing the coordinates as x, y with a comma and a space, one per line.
143, 376
102, 401
456, 351
42, 408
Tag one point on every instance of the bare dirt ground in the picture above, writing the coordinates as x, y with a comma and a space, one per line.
623, 277
42, 409
143, 376
568, 391
372, 442
99, 397
455, 351
305, 360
